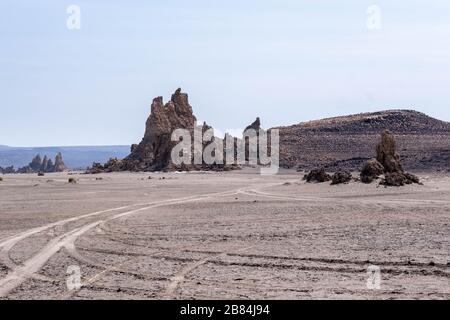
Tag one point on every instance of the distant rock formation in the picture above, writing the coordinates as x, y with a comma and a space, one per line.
44, 165
347, 142
387, 164
7, 170
252, 132
153, 153
59, 164
26, 169
35, 164
388, 161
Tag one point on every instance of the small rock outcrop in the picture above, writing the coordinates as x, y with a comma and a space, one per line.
398, 179
387, 163
112, 165
317, 175
341, 177
371, 171
395, 179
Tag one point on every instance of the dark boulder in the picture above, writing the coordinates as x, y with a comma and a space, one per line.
371, 171
317, 175
341, 177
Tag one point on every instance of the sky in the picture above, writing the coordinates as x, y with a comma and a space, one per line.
286, 61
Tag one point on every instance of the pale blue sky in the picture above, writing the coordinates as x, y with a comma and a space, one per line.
286, 61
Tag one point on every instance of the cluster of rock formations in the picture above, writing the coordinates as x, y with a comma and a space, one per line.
325, 144
320, 175
386, 164
7, 170
153, 153
39, 165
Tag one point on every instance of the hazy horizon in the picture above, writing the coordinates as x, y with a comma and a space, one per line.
285, 62
236, 133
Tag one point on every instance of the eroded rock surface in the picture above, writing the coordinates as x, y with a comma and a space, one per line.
371, 171
43, 165
341, 177
7, 170
387, 163
153, 153
387, 154
317, 175
59, 164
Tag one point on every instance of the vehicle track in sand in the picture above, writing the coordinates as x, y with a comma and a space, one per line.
18, 274
181, 275
258, 192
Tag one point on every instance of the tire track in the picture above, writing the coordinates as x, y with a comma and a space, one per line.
8, 242
19, 274
181, 275
258, 192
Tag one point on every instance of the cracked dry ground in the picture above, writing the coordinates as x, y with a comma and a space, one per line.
221, 235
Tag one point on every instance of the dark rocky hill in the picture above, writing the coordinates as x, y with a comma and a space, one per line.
346, 142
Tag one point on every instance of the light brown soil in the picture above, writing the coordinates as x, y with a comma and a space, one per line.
226, 235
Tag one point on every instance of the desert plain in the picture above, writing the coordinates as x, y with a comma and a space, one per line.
221, 235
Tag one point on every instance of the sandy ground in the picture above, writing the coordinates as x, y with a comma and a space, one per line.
234, 235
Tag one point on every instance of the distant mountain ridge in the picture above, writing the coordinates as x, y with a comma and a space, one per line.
75, 157
347, 141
